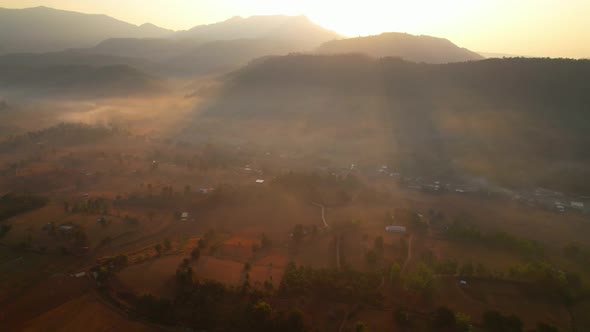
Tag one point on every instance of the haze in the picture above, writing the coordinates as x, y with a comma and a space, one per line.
542, 28
275, 171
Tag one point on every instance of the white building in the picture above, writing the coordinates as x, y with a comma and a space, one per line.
395, 229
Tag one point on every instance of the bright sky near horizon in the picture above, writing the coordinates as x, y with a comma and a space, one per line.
555, 28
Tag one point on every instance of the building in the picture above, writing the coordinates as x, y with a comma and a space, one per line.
395, 229
260, 181
184, 216
66, 228
577, 205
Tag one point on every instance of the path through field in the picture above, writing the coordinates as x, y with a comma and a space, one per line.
409, 257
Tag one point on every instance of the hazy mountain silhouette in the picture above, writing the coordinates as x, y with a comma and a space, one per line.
409, 47
155, 49
517, 121
226, 55
43, 29
279, 27
75, 81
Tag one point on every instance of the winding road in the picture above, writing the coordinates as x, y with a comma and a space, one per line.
323, 214
409, 257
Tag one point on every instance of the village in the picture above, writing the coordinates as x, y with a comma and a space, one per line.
127, 216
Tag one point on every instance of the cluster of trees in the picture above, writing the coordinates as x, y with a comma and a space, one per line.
300, 232
98, 205
421, 281
4, 229
545, 280
265, 244
211, 306
578, 254
315, 187
442, 319
15, 204
63, 133
461, 232
331, 284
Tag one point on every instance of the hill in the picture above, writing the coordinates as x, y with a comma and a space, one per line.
293, 28
227, 55
75, 81
154, 49
520, 122
43, 29
409, 47
77, 58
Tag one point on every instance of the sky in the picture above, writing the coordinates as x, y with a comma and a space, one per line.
553, 28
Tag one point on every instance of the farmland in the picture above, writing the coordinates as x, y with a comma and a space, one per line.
149, 219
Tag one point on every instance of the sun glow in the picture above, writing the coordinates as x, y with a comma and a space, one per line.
524, 27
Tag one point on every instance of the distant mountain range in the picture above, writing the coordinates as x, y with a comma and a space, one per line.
35, 38
521, 122
75, 81
43, 29
408, 47
298, 29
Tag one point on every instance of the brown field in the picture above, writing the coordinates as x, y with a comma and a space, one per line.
85, 313
506, 297
225, 271
40, 296
152, 277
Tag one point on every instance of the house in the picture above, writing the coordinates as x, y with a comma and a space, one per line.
577, 205
66, 228
395, 229
260, 181
463, 282
79, 275
184, 216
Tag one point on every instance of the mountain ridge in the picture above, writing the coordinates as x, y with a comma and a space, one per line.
417, 48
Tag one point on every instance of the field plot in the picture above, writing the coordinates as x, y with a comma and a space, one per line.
41, 296
225, 271
480, 296
85, 313
152, 277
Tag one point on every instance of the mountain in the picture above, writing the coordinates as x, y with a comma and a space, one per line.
294, 28
154, 49
409, 47
66, 58
519, 122
227, 55
75, 81
43, 29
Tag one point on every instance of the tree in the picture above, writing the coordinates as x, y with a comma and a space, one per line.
265, 242
421, 281
466, 269
298, 233
158, 248
402, 317
542, 327
394, 273
360, 327
463, 322
255, 248
202, 244
379, 245
66, 206
187, 190
167, 244
493, 321
371, 257
195, 254
444, 319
